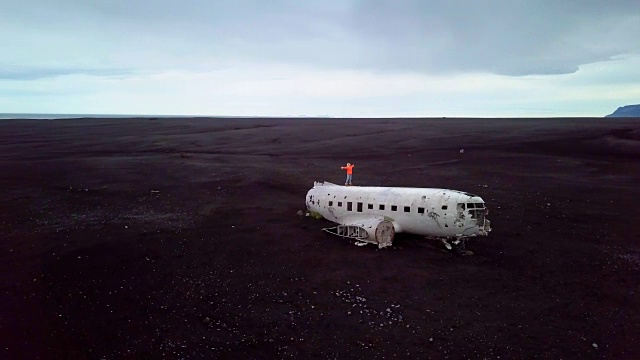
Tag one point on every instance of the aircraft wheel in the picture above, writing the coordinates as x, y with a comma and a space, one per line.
461, 248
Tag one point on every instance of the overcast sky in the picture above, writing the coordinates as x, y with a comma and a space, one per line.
509, 58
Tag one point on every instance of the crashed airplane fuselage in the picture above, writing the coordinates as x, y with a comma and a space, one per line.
374, 214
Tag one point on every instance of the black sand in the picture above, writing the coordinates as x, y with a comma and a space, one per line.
179, 237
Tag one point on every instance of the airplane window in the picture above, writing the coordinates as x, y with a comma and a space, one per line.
394, 208
444, 207
381, 207
339, 203
370, 206
359, 207
407, 209
349, 206
330, 203
420, 210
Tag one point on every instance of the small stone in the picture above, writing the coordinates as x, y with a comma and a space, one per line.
595, 346
206, 320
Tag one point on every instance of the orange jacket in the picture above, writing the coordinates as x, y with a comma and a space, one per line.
349, 169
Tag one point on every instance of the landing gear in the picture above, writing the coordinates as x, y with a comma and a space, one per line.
457, 246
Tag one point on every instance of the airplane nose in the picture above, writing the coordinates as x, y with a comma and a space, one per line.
310, 202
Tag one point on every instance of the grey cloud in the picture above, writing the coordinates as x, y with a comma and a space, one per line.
504, 37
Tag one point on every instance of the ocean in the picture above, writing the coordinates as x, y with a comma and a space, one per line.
5, 116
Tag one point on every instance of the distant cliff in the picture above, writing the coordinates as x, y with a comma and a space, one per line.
626, 111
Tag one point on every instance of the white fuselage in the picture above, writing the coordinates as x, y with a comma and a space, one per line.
421, 211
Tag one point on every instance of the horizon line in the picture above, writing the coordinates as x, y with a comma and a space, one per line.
61, 116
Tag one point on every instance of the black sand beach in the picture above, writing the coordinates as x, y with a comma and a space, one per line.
178, 238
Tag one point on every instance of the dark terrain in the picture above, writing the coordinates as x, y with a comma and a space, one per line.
178, 238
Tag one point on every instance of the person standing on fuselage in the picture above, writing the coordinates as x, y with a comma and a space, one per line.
349, 169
